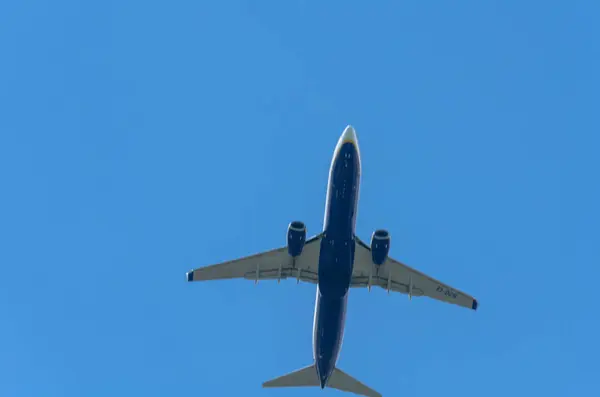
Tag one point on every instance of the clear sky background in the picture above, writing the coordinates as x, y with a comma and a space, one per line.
141, 139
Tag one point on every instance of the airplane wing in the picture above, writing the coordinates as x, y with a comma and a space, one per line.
396, 276
275, 264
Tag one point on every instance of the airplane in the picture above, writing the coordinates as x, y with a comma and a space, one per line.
335, 260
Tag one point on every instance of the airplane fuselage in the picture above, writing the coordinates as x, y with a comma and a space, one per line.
336, 259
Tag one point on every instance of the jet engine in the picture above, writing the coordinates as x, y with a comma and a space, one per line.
296, 237
380, 246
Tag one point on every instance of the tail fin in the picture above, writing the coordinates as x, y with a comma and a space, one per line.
307, 376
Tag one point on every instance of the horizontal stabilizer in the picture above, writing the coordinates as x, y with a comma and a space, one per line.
306, 376
344, 382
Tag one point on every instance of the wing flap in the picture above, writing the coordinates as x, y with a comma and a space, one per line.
307, 275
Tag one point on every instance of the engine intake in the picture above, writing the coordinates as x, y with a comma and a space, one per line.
380, 246
296, 237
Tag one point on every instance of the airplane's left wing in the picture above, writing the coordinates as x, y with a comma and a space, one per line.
275, 264
395, 276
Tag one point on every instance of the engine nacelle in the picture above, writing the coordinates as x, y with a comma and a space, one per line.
380, 246
296, 237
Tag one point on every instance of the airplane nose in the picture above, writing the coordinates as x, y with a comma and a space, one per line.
349, 135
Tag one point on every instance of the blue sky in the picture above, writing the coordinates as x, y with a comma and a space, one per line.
139, 140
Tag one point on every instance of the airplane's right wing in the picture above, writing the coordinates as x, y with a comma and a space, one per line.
395, 276
275, 264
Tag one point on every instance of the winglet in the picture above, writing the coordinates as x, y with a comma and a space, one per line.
475, 304
190, 275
